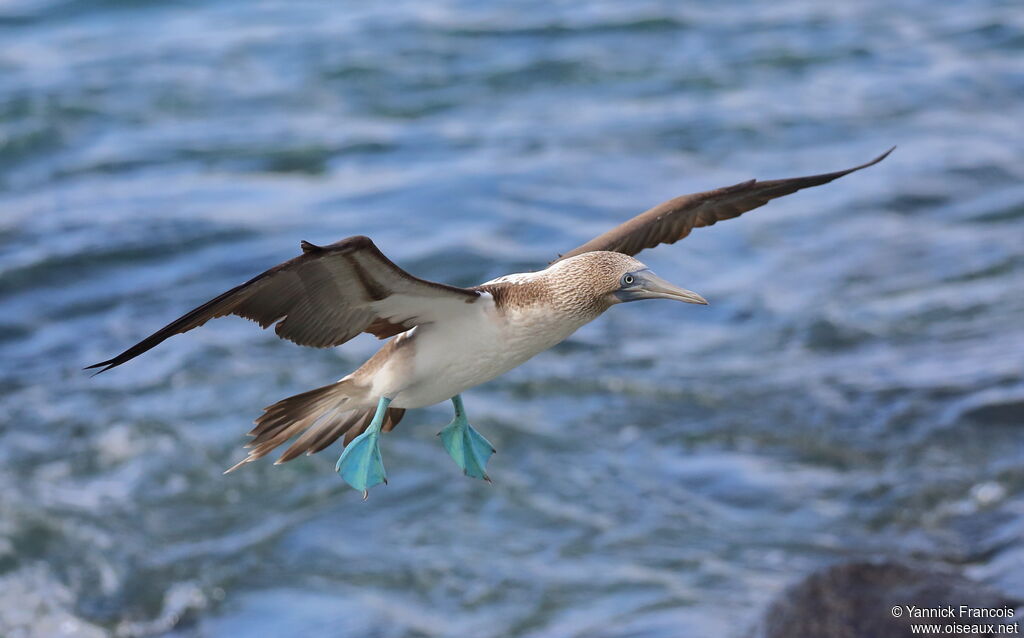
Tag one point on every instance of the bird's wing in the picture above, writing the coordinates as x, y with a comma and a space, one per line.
324, 297
670, 221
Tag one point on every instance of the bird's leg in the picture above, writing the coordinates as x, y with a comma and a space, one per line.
360, 464
465, 445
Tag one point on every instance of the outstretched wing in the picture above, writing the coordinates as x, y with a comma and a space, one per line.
324, 297
670, 221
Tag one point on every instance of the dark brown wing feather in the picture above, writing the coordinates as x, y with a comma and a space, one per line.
324, 297
673, 220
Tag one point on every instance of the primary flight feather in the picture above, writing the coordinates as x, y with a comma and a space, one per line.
444, 339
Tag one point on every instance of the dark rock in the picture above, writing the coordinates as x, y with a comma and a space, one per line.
1008, 411
856, 600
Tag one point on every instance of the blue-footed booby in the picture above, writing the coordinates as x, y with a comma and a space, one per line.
444, 339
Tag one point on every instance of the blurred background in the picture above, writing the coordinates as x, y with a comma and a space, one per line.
854, 390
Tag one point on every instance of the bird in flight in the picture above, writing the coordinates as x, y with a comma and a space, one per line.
444, 339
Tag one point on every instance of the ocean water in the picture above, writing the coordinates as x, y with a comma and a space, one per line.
855, 389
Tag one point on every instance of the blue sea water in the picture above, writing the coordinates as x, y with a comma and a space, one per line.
855, 389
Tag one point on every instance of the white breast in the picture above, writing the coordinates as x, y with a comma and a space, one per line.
446, 358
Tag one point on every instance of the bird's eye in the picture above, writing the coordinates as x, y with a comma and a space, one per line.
627, 280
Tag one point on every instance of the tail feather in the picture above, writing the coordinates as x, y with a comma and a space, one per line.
285, 411
323, 434
391, 419
321, 415
394, 416
326, 436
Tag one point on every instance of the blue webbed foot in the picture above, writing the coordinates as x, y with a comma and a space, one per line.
467, 447
361, 463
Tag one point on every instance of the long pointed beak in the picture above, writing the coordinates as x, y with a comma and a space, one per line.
650, 286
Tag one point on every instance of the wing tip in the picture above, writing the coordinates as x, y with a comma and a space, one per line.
825, 178
881, 157
870, 163
105, 365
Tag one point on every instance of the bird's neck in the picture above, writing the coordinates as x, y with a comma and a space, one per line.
546, 293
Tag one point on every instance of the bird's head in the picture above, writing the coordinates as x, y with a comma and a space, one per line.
640, 283
617, 278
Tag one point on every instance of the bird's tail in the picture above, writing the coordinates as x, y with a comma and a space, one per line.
322, 415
